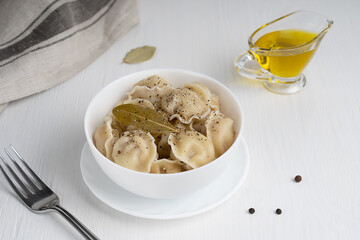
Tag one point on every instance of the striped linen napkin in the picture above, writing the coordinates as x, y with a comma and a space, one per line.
46, 42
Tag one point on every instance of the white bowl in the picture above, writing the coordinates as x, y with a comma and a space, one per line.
161, 186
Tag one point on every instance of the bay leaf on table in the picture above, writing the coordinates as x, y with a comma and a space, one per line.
140, 54
142, 118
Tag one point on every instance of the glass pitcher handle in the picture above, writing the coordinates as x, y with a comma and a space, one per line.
247, 66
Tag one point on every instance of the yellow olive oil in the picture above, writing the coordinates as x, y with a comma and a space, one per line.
284, 65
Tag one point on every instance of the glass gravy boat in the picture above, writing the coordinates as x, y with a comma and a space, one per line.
281, 49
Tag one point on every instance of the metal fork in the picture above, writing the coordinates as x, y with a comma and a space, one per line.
35, 194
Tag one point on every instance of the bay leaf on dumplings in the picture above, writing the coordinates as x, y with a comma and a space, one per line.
142, 118
140, 54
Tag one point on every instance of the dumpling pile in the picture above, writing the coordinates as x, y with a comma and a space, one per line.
204, 132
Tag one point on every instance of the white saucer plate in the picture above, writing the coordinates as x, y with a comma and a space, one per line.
204, 200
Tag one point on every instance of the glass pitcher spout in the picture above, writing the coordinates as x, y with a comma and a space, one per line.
302, 19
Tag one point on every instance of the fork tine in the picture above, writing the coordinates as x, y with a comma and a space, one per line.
19, 193
19, 182
23, 174
39, 181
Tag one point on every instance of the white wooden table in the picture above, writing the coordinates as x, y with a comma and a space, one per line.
315, 133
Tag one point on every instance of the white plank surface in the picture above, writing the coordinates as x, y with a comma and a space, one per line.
315, 133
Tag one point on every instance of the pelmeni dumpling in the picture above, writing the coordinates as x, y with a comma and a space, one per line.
106, 136
140, 102
153, 81
132, 128
135, 150
167, 166
151, 89
183, 104
220, 130
215, 102
204, 92
179, 125
192, 148
200, 89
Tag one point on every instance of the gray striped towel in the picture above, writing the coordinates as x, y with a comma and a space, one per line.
45, 42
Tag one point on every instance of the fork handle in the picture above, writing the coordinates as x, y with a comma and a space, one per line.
75, 222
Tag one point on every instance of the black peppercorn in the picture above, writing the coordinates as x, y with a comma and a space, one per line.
278, 211
298, 178
251, 210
